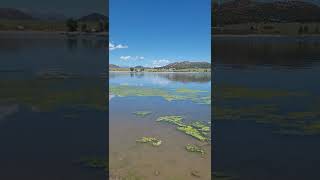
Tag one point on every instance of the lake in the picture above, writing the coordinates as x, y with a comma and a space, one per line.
266, 107
53, 114
137, 101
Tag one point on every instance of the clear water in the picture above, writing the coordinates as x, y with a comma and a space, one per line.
129, 159
48, 125
251, 150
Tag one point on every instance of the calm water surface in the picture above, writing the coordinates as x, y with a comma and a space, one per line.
250, 150
52, 106
170, 160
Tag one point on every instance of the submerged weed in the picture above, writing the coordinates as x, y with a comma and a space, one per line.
176, 120
200, 126
192, 132
142, 113
194, 148
150, 140
178, 95
98, 163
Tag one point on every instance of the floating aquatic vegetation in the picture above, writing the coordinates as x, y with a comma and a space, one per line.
287, 123
185, 90
176, 120
200, 126
192, 132
141, 91
123, 91
232, 92
194, 148
150, 140
303, 115
142, 113
312, 128
204, 100
94, 162
197, 129
47, 95
56, 74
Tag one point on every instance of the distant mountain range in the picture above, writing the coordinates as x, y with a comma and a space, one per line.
44, 15
246, 11
186, 65
19, 14
13, 14
176, 65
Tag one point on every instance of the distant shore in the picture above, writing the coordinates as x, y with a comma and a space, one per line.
32, 32
191, 70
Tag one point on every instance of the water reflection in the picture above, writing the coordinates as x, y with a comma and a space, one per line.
266, 138
35, 53
161, 95
178, 77
52, 106
281, 51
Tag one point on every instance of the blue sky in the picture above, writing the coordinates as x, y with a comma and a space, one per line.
154, 33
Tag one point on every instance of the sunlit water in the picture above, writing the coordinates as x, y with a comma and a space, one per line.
250, 150
48, 124
129, 159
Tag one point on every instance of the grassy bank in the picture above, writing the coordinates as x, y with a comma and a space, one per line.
40, 25
34, 25
160, 70
294, 29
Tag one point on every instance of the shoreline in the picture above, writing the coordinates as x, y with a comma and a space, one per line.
32, 32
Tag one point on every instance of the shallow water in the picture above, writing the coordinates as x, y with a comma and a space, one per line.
273, 145
50, 121
129, 159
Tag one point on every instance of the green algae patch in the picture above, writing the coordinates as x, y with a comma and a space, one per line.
189, 130
97, 163
142, 91
150, 140
312, 128
235, 92
203, 100
194, 148
176, 120
197, 129
185, 90
289, 123
200, 126
47, 95
142, 113
123, 91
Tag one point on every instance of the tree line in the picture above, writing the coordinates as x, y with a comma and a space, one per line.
74, 25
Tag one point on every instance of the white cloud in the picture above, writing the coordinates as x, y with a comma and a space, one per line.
160, 62
125, 58
133, 58
113, 46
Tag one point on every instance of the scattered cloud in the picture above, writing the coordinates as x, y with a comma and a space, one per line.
125, 58
113, 46
160, 62
133, 58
